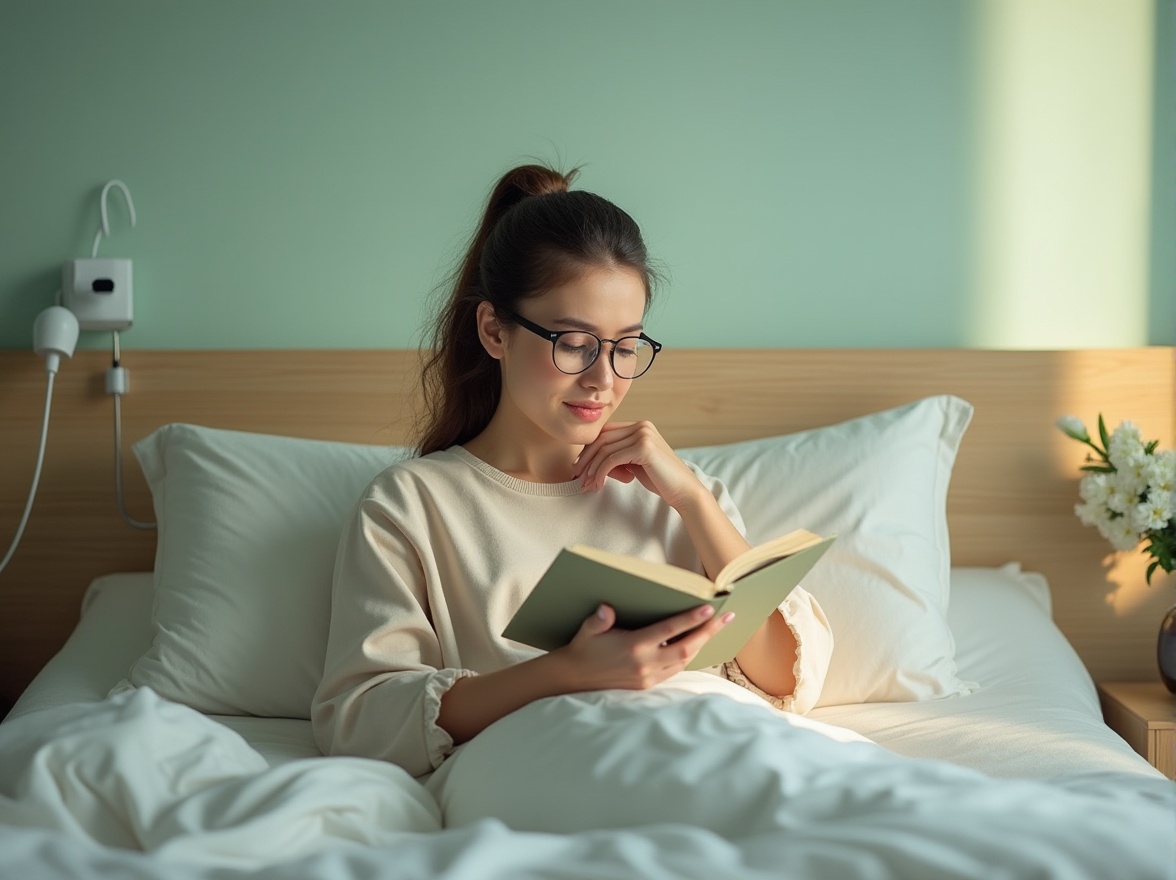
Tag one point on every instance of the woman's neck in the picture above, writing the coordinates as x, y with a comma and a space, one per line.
535, 462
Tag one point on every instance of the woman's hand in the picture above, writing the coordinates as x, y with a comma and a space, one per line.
636, 450
601, 656
598, 658
627, 451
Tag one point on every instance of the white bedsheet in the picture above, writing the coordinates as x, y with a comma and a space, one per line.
1036, 713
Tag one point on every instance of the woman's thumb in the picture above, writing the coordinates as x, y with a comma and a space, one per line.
601, 621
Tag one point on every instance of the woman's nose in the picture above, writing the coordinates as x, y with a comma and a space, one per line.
600, 374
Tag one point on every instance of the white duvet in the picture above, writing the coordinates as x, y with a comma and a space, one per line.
605, 785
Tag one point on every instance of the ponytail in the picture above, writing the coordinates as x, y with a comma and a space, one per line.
534, 235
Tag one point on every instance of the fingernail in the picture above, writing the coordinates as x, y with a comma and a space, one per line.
706, 611
728, 617
600, 612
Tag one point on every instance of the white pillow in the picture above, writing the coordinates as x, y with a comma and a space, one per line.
249, 526
880, 482
248, 529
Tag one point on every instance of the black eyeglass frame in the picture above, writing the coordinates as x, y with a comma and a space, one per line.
553, 336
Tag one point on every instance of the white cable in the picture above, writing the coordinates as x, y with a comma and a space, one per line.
116, 384
104, 229
122, 508
36, 474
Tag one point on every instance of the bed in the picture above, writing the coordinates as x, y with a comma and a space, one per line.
159, 724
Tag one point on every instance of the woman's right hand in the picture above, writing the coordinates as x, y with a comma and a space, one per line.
602, 656
598, 658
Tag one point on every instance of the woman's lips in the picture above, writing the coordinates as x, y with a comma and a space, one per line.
588, 412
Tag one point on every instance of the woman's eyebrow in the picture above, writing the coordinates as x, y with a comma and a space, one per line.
580, 324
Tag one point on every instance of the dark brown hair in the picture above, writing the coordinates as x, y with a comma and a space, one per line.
535, 235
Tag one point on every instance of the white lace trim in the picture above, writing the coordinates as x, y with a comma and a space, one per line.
814, 648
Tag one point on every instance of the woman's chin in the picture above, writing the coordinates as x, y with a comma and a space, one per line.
582, 435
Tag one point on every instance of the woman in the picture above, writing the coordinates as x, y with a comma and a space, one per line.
537, 347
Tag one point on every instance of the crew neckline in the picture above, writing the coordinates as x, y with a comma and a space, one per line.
526, 487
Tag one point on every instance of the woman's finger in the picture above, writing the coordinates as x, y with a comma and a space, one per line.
614, 461
672, 627
677, 653
624, 474
608, 438
694, 640
632, 447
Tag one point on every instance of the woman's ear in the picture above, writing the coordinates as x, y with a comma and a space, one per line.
490, 331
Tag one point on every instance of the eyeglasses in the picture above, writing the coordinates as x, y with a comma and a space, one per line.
574, 351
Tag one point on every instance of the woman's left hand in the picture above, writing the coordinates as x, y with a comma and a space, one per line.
636, 450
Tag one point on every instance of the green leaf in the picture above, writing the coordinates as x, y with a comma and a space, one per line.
1162, 545
1151, 447
1102, 432
1163, 555
1097, 468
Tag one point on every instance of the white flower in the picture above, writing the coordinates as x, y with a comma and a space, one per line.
1122, 495
1160, 471
1147, 516
1072, 426
1166, 499
1093, 515
1094, 489
1128, 492
1104, 528
1132, 473
1122, 534
1154, 513
1126, 444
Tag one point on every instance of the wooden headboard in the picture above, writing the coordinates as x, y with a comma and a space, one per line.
1012, 494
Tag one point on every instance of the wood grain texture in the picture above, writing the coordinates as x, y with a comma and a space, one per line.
1012, 494
1144, 714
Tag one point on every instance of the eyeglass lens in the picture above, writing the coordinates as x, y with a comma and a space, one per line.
576, 352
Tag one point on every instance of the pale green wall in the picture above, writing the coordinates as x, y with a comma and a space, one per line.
305, 172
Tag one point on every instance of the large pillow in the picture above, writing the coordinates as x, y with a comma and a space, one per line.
880, 482
249, 526
248, 529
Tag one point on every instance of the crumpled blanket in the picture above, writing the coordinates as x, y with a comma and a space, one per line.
141, 773
659, 784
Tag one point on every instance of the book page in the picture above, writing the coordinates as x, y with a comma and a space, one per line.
761, 555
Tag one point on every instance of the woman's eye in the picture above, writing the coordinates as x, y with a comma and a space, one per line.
577, 343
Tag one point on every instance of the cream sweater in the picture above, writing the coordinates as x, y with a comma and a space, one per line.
433, 562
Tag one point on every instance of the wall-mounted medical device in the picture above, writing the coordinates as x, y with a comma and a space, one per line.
99, 292
96, 294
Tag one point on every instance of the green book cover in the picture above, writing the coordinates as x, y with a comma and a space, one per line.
643, 592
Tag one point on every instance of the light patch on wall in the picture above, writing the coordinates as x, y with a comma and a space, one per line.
1064, 140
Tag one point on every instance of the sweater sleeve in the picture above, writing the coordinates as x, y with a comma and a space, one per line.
384, 675
803, 614
814, 649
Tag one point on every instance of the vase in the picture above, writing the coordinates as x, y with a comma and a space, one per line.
1166, 650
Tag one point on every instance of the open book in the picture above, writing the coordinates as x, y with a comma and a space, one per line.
643, 592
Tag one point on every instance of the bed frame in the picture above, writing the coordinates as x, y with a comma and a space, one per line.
1012, 494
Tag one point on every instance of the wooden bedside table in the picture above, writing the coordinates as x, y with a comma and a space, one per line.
1144, 714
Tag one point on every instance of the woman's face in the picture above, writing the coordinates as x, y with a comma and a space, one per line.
544, 403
